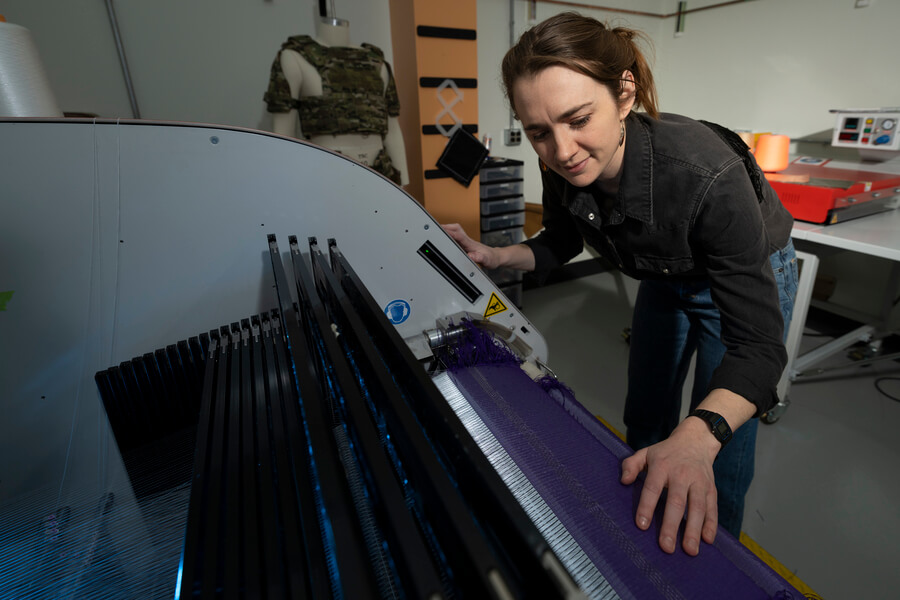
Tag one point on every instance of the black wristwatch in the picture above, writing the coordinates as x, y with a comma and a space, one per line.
717, 424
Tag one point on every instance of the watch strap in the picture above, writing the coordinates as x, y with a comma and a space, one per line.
717, 424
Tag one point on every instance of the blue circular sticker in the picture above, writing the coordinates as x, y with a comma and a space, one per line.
397, 311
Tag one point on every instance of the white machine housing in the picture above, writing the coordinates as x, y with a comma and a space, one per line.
121, 237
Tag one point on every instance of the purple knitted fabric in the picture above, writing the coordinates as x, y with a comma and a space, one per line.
476, 347
573, 461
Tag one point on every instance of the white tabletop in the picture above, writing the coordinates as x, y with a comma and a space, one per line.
877, 235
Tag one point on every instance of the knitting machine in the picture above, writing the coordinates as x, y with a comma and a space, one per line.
246, 366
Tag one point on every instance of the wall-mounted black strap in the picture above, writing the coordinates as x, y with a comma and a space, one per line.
433, 130
461, 82
451, 33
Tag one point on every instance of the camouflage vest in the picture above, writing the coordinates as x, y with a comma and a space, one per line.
354, 97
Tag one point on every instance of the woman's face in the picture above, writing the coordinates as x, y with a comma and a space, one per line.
573, 123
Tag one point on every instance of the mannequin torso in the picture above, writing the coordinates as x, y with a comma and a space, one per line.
305, 81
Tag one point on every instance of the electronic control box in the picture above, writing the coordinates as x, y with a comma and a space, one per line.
874, 129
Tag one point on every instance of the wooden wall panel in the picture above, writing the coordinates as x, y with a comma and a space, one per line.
447, 58
430, 106
440, 13
453, 205
439, 54
432, 146
405, 74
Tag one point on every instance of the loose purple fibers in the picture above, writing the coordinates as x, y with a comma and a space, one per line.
476, 347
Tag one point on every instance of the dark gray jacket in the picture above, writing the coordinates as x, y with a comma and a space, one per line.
686, 209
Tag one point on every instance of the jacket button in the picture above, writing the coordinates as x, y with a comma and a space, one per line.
591, 216
666, 270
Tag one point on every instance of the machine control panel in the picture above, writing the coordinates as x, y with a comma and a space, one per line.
867, 129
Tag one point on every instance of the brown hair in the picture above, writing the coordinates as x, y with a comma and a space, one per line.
586, 46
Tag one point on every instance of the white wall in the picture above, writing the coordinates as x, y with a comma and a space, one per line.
204, 61
776, 65
494, 41
765, 65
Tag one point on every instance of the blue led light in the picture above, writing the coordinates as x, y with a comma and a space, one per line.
178, 579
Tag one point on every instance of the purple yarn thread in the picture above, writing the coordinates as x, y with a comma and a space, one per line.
477, 347
551, 385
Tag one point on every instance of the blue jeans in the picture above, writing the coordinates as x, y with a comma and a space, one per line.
671, 321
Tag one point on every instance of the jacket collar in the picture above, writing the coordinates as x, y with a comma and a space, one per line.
635, 196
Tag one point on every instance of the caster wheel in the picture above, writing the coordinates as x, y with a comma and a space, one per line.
772, 416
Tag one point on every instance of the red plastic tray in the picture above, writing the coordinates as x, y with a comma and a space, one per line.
828, 189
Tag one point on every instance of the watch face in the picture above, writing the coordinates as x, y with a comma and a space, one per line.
717, 424
721, 429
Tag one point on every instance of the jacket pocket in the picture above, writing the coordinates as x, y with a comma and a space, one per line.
664, 265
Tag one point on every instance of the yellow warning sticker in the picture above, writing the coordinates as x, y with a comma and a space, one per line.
495, 306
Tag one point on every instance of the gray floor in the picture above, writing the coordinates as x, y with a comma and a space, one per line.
824, 502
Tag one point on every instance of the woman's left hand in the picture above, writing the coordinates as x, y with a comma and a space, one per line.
683, 465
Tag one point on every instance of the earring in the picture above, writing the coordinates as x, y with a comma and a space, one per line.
622, 135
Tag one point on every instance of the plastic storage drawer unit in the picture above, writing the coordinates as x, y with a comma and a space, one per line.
501, 189
500, 170
503, 237
496, 168
503, 205
503, 221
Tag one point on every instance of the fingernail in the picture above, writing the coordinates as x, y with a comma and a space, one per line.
643, 522
668, 544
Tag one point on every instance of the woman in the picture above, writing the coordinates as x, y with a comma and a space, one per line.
680, 205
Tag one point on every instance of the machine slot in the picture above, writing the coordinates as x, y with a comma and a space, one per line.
355, 433
455, 534
232, 514
352, 573
252, 546
409, 550
495, 506
262, 453
290, 449
436, 259
192, 542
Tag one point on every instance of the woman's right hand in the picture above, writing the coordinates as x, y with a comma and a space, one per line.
485, 256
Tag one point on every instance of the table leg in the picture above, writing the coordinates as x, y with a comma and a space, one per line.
809, 266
